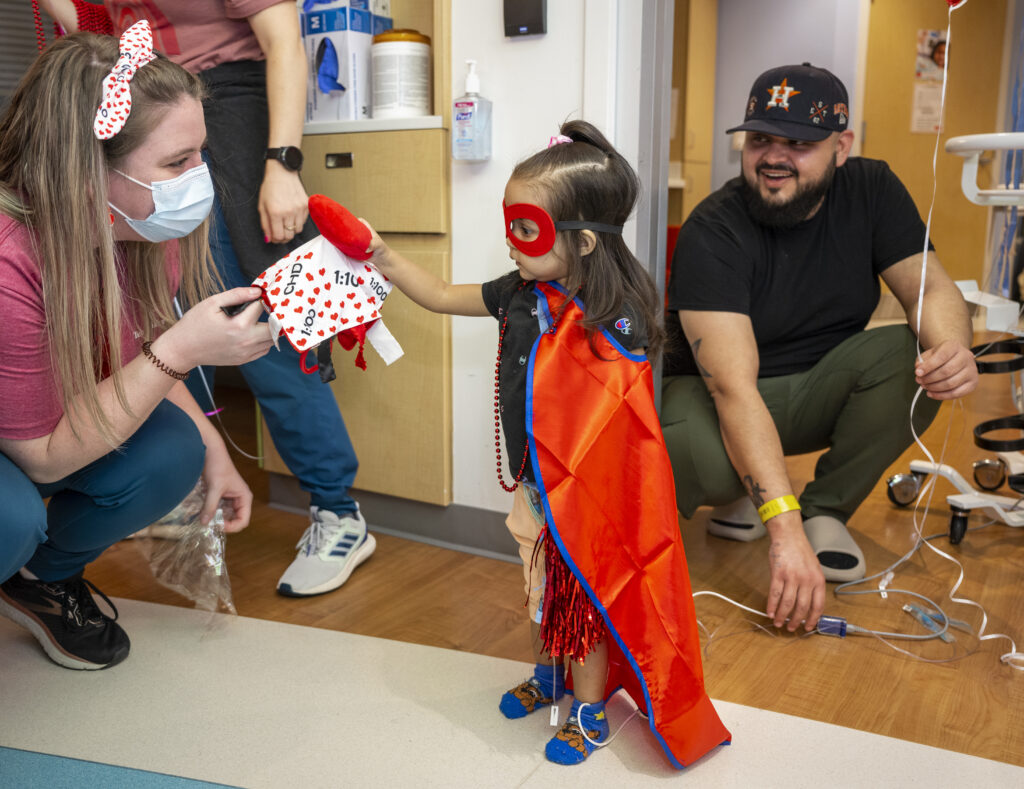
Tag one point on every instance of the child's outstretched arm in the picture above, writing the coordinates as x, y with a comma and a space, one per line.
421, 286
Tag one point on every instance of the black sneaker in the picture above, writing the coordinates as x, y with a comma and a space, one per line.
66, 621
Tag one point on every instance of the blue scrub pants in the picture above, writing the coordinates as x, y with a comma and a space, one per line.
300, 411
91, 509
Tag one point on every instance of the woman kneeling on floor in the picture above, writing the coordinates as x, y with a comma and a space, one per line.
103, 206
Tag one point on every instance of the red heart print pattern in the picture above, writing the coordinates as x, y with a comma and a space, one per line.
135, 50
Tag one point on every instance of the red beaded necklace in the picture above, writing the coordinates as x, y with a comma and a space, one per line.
497, 402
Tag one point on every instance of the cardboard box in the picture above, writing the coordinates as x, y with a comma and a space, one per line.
347, 26
382, 19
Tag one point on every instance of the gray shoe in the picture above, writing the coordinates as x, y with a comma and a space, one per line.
737, 521
840, 557
331, 548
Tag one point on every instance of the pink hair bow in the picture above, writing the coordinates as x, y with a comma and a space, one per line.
136, 50
558, 139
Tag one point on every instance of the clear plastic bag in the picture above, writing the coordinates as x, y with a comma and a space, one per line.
187, 557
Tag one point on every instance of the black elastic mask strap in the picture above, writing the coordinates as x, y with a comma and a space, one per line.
598, 226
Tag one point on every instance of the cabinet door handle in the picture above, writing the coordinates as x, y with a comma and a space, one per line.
333, 161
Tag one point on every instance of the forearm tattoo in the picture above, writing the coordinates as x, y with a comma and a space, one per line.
755, 491
696, 358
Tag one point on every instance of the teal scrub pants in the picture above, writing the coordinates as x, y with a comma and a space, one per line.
854, 403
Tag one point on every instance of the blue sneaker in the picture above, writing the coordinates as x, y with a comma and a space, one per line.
526, 697
569, 746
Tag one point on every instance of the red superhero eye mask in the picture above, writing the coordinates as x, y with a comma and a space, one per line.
546, 228
545, 239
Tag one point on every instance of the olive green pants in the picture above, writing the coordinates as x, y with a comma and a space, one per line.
855, 403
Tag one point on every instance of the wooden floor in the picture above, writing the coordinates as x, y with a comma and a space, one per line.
964, 700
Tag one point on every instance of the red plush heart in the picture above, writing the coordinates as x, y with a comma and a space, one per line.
340, 227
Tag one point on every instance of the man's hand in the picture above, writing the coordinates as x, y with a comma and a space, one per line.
797, 589
947, 371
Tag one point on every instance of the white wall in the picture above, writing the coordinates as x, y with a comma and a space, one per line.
536, 83
756, 35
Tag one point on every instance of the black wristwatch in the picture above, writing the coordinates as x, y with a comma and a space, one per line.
289, 156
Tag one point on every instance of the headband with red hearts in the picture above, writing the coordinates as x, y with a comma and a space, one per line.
136, 50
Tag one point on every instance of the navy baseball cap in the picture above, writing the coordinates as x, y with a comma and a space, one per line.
797, 102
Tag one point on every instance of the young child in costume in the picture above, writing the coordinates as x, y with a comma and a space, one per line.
594, 513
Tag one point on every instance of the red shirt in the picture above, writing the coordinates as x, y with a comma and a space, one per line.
196, 34
30, 405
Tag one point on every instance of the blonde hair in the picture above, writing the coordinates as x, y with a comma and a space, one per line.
53, 179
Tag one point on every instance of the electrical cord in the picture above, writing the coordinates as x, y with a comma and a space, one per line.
214, 410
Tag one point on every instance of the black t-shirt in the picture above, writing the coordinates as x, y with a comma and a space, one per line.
511, 295
806, 289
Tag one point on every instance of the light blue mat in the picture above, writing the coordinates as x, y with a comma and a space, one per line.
30, 770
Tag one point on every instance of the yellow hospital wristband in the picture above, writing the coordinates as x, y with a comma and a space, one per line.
782, 504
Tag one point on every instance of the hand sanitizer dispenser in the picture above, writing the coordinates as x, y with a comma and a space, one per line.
471, 119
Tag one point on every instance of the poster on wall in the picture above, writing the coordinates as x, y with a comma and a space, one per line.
930, 57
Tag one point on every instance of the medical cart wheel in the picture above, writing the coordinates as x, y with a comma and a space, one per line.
902, 489
957, 525
989, 474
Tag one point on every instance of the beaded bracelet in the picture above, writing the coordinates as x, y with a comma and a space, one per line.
782, 504
148, 353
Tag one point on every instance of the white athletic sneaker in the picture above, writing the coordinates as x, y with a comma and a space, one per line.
329, 551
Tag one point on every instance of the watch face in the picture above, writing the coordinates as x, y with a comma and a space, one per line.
292, 158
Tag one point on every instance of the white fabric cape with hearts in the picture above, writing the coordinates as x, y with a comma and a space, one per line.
317, 292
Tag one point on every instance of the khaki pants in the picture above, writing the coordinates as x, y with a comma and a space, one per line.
855, 402
526, 522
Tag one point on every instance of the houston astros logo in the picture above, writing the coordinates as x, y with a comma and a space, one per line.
780, 95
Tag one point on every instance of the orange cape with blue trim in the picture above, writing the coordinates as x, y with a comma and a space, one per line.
609, 499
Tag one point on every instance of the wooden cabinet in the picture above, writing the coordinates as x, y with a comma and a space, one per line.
399, 417
396, 180
693, 89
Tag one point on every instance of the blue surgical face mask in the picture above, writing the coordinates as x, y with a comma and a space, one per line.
179, 205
